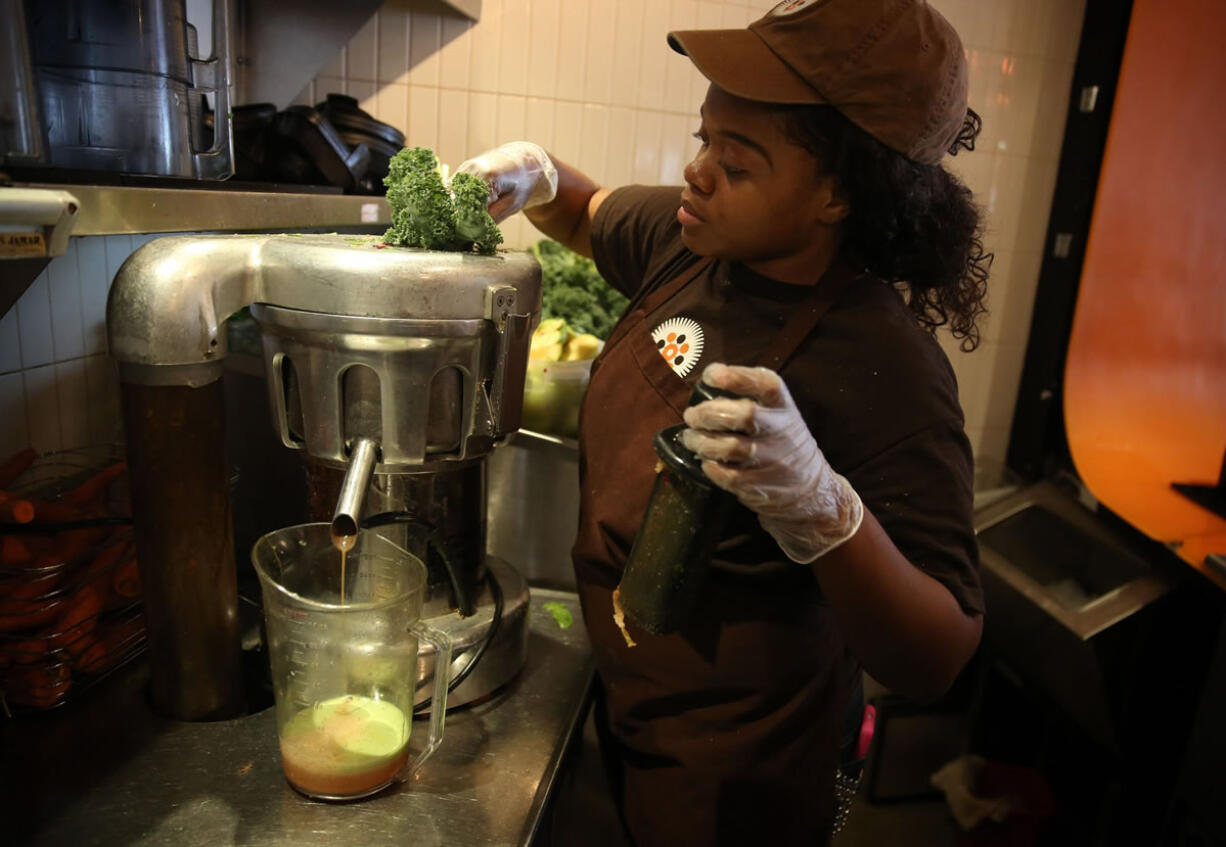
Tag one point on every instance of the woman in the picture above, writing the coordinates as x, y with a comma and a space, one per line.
816, 241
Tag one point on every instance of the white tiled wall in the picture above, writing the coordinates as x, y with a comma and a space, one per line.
1021, 55
58, 388
595, 83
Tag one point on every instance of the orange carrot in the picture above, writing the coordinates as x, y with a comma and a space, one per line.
16, 465
40, 686
77, 619
29, 600
125, 580
90, 653
69, 546
57, 511
14, 551
109, 645
104, 561
15, 509
19, 615
30, 584
70, 629
24, 651
92, 489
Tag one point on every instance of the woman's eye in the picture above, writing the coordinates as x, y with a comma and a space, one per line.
730, 170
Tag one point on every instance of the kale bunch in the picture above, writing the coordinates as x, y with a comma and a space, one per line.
427, 213
572, 289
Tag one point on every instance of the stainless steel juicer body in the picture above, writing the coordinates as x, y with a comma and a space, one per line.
395, 370
407, 409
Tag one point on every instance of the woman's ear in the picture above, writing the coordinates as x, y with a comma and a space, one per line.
834, 205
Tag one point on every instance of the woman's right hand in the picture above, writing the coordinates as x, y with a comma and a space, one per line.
520, 175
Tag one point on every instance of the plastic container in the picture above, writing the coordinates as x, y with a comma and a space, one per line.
343, 641
553, 393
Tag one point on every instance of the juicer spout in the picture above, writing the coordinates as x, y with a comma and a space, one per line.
348, 516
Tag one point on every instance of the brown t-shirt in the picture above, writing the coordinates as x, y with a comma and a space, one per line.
727, 731
876, 389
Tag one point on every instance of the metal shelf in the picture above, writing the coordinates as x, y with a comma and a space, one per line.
121, 210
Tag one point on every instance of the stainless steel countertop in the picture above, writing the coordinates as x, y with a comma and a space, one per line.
106, 771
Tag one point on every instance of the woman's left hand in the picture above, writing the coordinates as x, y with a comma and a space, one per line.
759, 448
520, 175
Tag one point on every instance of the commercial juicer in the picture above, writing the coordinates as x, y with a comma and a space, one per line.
395, 370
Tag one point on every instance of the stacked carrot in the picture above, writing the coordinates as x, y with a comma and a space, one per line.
69, 587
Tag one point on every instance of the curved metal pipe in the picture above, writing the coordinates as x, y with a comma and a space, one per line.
348, 515
171, 298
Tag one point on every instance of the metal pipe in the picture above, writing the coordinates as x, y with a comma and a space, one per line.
171, 298
348, 515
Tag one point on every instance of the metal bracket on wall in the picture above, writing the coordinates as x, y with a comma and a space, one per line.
34, 228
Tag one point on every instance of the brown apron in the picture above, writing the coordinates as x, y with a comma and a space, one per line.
727, 732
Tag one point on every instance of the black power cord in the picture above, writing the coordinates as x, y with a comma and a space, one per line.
466, 605
435, 541
495, 620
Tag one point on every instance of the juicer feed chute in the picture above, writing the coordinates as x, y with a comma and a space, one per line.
396, 371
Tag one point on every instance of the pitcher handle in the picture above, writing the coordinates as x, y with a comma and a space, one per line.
441, 643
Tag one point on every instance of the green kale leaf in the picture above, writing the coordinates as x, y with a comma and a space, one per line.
572, 289
471, 209
426, 214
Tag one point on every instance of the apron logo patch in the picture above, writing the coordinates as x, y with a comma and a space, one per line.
679, 341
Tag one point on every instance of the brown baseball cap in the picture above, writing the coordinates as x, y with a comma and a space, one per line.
895, 68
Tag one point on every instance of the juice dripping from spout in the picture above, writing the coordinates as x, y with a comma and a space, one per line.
344, 543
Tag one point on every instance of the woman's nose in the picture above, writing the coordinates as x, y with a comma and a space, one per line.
698, 174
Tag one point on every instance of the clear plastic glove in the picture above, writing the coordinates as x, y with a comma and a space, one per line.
520, 175
760, 449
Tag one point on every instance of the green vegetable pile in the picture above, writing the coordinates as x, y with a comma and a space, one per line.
572, 289
429, 213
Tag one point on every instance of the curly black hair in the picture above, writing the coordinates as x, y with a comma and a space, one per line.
915, 226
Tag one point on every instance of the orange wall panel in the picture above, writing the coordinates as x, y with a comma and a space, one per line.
1145, 385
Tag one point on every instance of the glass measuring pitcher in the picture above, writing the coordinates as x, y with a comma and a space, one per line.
343, 635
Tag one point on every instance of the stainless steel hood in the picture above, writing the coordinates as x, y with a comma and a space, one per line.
34, 228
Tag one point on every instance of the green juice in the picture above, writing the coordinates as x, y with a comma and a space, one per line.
347, 746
